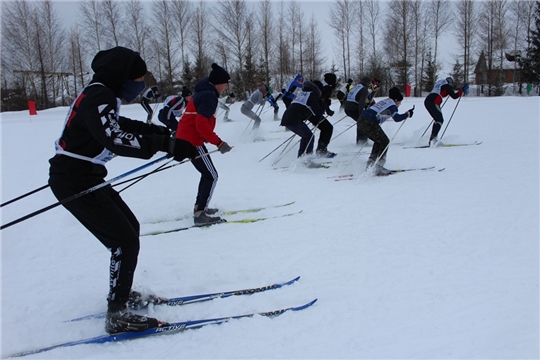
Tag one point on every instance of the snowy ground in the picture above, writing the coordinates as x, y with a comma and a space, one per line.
419, 265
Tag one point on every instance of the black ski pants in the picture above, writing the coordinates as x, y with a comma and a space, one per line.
361, 137
108, 218
380, 140
146, 106
326, 129
435, 111
209, 178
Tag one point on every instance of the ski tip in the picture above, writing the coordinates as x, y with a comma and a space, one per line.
306, 305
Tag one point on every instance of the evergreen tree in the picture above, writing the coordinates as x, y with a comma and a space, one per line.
531, 63
458, 75
187, 75
430, 73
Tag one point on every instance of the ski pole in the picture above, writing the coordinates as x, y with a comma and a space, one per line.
280, 145
283, 153
285, 148
343, 131
392, 139
82, 193
432, 120
451, 117
25, 195
161, 168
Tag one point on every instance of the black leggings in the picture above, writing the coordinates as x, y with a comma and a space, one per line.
108, 218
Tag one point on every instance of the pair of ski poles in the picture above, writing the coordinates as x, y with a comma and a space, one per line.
99, 186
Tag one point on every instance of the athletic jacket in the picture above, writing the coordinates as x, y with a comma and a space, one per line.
306, 106
442, 89
382, 111
257, 98
356, 99
173, 107
292, 86
94, 131
199, 120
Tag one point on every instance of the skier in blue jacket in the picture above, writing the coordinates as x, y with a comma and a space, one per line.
289, 92
370, 121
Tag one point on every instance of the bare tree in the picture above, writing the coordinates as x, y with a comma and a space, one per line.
266, 27
493, 41
75, 48
92, 21
314, 51
53, 48
292, 26
284, 62
200, 40
139, 31
372, 21
113, 18
182, 18
398, 38
359, 32
341, 20
439, 13
465, 29
419, 43
232, 16
167, 46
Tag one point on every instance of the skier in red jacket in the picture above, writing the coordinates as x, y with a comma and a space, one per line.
197, 127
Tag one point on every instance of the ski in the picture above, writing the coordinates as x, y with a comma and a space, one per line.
241, 221
392, 172
232, 212
442, 145
185, 300
245, 211
171, 328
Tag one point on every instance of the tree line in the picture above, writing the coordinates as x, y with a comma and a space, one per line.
397, 42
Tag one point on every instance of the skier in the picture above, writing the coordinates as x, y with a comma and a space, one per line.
326, 87
222, 105
441, 89
305, 106
150, 94
258, 97
355, 103
290, 90
93, 132
369, 122
273, 102
173, 107
343, 91
197, 127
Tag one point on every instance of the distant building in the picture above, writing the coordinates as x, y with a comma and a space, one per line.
509, 69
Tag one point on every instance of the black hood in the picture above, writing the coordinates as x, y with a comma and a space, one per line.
112, 67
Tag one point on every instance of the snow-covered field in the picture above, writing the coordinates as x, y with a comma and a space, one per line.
418, 265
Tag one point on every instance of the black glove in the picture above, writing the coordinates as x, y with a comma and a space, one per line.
329, 112
223, 147
411, 111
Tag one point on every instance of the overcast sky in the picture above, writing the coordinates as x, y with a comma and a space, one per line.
68, 12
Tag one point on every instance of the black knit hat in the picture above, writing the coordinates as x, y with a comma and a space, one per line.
186, 92
218, 75
138, 68
395, 94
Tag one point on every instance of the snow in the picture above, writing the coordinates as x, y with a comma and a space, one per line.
418, 265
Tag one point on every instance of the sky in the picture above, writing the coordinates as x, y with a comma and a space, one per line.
447, 45
437, 264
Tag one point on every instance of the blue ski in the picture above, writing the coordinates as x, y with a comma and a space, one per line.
184, 300
168, 329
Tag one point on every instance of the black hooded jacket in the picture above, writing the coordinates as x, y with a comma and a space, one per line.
94, 131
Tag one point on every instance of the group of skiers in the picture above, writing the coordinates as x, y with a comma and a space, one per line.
94, 131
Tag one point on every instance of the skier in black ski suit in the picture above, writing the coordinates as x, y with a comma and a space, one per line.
93, 132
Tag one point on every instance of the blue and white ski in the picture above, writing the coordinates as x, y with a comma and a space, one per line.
184, 300
168, 329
